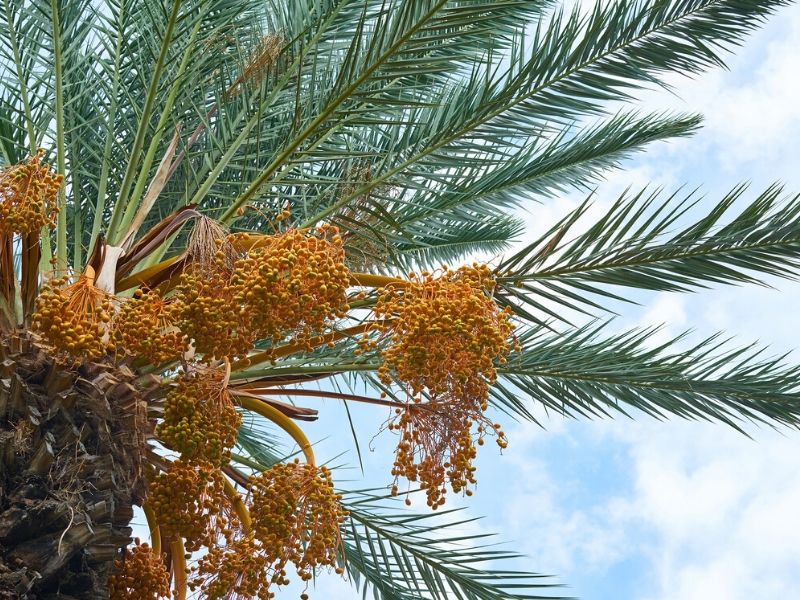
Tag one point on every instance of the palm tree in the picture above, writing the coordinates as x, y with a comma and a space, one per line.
221, 221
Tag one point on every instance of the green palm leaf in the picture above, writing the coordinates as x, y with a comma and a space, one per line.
574, 66
407, 556
588, 372
641, 243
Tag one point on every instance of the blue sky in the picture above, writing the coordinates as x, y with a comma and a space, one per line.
661, 511
642, 510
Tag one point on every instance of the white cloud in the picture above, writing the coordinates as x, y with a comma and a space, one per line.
559, 540
712, 513
541, 217
765, 314
722, 508
666, 311
751, 125
757, 123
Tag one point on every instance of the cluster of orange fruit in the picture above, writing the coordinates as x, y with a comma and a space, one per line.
438, 334
235, 570
445, 333
146, 326
140, 576
295, 514
82, 321
74, 318
28, 196
296, 518
189, 501
292, 284
207, 314
200, 420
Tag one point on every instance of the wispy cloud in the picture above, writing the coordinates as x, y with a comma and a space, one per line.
722, 508
684, 510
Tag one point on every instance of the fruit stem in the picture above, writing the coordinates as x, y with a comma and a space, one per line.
238, 506
155, 531
282, 421
291, 348
370, 280
179, 568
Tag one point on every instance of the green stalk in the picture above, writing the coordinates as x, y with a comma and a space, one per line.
305, 370
77, 223
100, 203
251, 191
61, 228
243, 460
45, 264
130, 210
114, 230
23, 83
204, 188
209, 181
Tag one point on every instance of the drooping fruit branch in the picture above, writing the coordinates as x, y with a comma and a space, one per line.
285, 307
152, 525
444, 335
285, 423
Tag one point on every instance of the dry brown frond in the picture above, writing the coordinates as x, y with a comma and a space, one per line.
22, 436
258, 64
207, 240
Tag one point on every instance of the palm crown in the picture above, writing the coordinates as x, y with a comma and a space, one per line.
231, 195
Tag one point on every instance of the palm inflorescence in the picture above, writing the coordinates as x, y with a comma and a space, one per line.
210, 205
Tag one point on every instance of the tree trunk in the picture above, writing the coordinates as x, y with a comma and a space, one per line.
71, 469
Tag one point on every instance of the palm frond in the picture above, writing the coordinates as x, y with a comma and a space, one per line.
429, 242
473, 193
406, 556
638, 244
588, 372
26, 83
574, 67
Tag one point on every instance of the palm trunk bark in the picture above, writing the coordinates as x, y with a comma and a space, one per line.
71, 469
